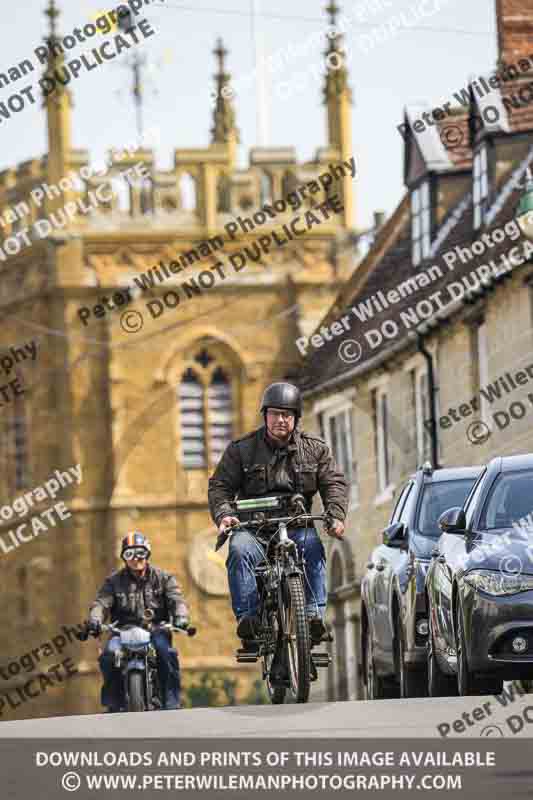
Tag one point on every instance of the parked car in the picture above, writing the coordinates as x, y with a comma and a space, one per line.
480, 585
394, 623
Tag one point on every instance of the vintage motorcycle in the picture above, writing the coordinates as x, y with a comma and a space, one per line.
137, 660
285, 644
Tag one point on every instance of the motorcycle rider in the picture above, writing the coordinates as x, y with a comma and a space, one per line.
275, 459
126, 596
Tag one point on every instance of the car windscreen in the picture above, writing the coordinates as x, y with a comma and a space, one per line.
439, 497
509, 503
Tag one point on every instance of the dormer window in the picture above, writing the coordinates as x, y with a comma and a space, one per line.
481, 185
421, 222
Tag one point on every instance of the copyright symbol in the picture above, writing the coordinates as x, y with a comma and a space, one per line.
350, 351
510, 565
478, 432
71, 781
491, 730
451, 136
131, 321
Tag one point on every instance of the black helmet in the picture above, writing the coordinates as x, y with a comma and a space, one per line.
282, 395
133, 540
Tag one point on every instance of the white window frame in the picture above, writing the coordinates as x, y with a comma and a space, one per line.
421, 222
346, 408
385, 492
480, 184
423, 437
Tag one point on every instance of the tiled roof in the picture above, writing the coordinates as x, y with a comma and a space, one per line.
324, 365
443, 148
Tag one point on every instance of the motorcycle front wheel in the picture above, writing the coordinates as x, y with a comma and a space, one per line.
136, 699
297, 639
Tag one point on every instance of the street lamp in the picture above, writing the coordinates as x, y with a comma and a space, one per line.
524, 212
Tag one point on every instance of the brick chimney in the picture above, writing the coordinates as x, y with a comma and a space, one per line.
515, 30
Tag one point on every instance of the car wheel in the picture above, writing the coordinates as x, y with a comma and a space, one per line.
439, 684
413, 682
467, 682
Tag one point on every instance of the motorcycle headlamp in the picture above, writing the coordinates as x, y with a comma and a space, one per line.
136, 553
134, 637
498, 584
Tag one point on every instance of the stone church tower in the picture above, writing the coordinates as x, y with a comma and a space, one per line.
146, 400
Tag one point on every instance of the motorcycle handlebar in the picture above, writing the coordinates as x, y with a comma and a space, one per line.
278, 520
222, 537
113, 628
189, 630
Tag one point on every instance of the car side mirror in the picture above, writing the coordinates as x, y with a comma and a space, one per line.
453, 521
394, 535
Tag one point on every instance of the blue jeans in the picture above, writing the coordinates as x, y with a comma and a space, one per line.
167, 668
246, 552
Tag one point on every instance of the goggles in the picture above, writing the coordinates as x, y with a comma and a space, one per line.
135, 553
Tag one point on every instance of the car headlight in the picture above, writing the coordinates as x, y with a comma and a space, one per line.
498, 584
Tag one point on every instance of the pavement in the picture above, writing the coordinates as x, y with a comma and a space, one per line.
458, 717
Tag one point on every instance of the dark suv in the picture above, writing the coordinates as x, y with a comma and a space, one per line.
394, 621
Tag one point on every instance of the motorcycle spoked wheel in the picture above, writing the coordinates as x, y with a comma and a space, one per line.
136, 698
276, 693
296, 639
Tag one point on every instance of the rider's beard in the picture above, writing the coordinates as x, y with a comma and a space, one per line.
280, 435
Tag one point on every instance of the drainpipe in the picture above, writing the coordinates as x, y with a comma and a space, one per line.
432, 410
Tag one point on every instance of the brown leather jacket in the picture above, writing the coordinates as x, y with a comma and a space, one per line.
251, 467
125, 598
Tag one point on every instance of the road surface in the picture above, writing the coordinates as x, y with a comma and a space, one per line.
413, 718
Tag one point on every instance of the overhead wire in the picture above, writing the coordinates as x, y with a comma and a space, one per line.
320, 20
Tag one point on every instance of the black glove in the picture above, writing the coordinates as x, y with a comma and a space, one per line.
180, 621
94, 627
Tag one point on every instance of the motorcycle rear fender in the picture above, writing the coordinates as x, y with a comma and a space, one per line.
294, 573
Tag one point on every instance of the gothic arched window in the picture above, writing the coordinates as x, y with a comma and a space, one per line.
223, 195
220, 414
146, 196
266, 188
288, 184
187, 192
19, 443
191, 399
206, 414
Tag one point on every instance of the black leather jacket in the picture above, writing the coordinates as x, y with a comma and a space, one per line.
124, 597
252, 467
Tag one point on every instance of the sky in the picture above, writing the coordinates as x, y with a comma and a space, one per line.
437, 46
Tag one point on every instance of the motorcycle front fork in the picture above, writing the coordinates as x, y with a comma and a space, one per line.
154, 700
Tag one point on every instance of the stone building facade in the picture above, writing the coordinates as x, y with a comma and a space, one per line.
449, 279
146, 411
